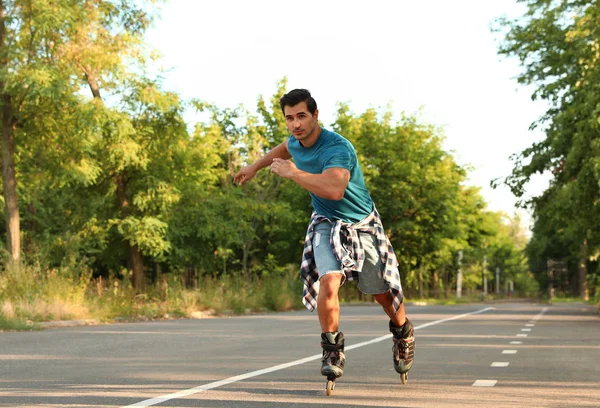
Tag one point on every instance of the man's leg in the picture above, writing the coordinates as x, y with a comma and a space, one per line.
385, 300
403, 335
328, 304
332, 340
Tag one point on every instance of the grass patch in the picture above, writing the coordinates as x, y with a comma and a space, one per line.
565, 299
32, 294
13, 324
561, 299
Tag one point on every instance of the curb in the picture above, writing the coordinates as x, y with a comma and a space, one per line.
207, 314
68, 323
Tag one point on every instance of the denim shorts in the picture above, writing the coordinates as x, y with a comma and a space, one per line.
371, 280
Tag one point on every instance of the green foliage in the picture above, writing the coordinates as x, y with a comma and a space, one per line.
147, 233
557, 45
11, 324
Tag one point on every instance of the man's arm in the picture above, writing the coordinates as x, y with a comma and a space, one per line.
248, 172
331, 184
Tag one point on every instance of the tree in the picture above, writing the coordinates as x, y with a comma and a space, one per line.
557, 45
103, 39
25, 67
46, 48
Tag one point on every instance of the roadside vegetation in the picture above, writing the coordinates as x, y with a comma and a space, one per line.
30, 297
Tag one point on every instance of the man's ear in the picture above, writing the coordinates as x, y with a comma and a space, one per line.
316, 114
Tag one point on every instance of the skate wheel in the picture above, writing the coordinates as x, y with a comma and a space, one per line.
404, 378
330, 387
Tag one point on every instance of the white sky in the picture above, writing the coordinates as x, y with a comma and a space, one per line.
437, 55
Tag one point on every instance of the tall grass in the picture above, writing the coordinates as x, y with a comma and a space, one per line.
32, 294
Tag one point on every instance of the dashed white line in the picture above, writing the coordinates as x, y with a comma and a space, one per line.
485, 383
491, 383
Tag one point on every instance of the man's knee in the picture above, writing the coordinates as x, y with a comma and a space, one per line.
329, 284
383, 298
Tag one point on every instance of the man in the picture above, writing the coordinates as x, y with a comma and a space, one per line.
345, 238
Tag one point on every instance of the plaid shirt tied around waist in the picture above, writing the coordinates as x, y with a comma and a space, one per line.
346, 245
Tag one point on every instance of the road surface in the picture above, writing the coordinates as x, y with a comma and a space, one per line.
478, 355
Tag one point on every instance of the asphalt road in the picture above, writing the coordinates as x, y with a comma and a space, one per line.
480, 355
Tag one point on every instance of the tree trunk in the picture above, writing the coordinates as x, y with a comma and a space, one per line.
92, 82
420, 282
190, 279
436, 284
136, 265
157, 273
583, 288
134, 256
9, 180
446, 284
246, 247
245, 260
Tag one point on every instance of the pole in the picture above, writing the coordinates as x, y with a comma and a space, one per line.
483, 280
497, 280
459, 278
550, 265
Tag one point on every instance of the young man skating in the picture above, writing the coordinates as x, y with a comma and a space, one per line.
345, 237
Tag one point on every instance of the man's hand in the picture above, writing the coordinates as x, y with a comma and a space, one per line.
284, 168
244, 175
279, 152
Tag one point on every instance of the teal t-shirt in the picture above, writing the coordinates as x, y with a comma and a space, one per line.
333, 150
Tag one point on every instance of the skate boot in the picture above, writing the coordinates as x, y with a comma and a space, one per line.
333, 358
333, 354
403, 349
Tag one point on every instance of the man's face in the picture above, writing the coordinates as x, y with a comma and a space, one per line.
300, 122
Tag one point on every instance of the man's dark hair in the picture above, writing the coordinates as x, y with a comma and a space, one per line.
294, 97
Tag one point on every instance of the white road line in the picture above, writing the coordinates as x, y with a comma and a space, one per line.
237, 378
540, 314
485, 383
491, 383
